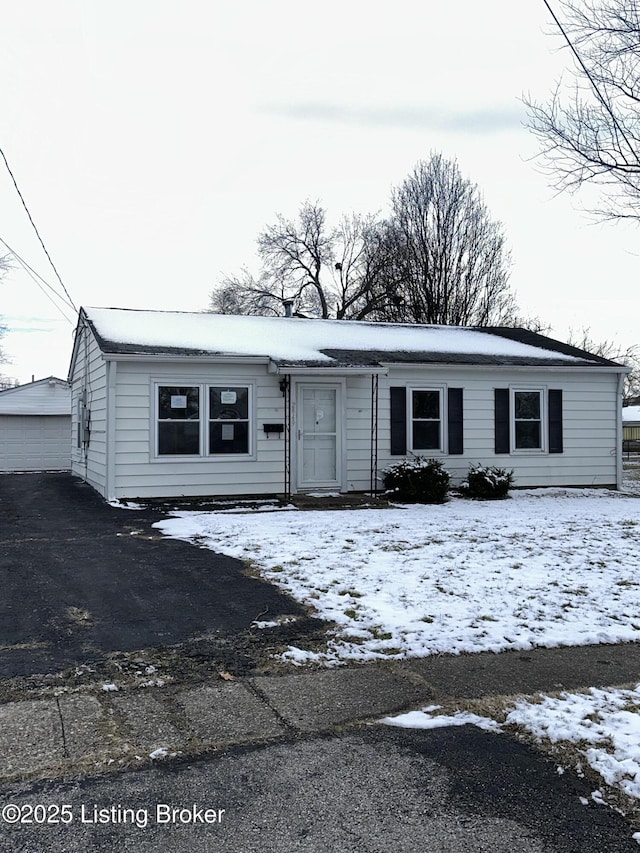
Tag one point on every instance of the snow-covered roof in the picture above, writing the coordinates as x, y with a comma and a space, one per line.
50, 396
322, 343
631, 414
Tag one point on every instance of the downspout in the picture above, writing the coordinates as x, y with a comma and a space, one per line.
285, 389
373, 484
110, 490
85, 401
619, 395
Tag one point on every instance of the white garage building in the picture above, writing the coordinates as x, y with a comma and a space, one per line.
35, 426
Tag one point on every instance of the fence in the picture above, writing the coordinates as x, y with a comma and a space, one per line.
630, 439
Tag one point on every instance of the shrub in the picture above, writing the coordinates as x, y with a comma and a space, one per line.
487, 483
417, 480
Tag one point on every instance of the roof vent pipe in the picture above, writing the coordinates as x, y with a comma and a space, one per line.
288, 307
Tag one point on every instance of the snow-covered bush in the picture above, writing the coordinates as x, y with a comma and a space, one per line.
486, 483
417, 480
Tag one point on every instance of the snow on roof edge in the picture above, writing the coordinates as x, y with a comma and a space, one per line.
305, 340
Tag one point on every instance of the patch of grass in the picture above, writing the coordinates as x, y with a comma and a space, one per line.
379, 634
354, 640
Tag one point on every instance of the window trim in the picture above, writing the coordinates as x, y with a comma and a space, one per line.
158, 421
209, 420
441, 450
542, 392
203, 419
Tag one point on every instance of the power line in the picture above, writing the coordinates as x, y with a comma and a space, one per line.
30, 269
35, 276
24, 204
594, 85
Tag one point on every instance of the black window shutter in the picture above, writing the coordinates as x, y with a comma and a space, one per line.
398, 421
555, 421
502, 442
455, 420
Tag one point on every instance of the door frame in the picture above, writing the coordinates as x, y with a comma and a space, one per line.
339, 385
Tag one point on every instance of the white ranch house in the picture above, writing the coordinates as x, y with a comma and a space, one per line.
169, 404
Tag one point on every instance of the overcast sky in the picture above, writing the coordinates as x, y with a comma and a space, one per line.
154, 139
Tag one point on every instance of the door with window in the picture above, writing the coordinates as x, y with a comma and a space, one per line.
319, 436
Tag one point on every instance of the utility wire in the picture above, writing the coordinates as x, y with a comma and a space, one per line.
24, 204
594, 85
35, 276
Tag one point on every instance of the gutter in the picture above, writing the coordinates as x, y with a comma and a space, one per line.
330, 370
181, 357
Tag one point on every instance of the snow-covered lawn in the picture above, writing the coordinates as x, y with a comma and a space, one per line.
603, 727
543, 568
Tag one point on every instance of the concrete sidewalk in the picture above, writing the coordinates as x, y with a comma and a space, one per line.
96, 728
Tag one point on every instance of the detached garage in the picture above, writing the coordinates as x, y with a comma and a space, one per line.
35, 426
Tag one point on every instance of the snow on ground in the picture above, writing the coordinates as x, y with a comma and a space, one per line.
546, 568
604, 724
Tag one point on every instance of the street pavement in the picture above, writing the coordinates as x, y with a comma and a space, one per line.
300, 761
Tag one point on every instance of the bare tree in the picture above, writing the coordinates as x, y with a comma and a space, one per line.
244, 294
590, 132
450, 259
629, 356
438, 258
325, 272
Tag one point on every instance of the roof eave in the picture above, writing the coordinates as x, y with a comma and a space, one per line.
556, 366
201, 358
329, 370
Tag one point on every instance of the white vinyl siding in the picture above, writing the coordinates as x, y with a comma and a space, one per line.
590, 411
590, 417
357, 451
139, 472
90, 377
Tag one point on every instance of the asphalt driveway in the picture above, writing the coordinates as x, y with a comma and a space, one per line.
82, 581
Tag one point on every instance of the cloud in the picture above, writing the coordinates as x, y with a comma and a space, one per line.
489, 120
24, 323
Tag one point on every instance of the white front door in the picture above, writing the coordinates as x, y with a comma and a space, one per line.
319, 431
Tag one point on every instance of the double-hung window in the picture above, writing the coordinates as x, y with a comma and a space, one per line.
178, 420
228, 419
426, 419
203, 420
527, 420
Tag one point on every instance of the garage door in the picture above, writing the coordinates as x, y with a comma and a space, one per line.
35, 442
